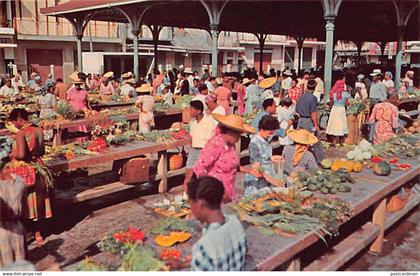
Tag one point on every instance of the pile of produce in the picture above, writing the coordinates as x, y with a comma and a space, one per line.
158, 136
407, 145
342, 165
65, 110
291, 213
363, 151
328, 182
67, 151
177, 207
131, 252
355, 106
170, 224
249, 117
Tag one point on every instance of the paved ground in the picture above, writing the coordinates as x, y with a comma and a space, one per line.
75, 231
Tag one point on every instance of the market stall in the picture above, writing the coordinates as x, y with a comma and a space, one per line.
268, 250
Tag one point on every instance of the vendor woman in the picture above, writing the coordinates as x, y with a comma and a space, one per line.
260, 155
297, 156
386, 117
78, 99
26, 163
146, 103
339, 100
106, 89
218, 158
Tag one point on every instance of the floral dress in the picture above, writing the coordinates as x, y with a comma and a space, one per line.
386, 117
252, 98
260, 151
223, 94
219, 160
12, 232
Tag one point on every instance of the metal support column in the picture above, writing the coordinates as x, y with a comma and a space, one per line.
214, 37
299, 41
329, 49
398, 57
136, 69
79, 53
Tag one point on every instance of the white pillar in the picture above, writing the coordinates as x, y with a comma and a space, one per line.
329, 49
214, 36
136, 68
398, 57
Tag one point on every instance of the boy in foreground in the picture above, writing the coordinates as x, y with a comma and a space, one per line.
222, 246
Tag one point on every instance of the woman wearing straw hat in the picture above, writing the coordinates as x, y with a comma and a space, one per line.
127, 89
106, 89
260, 156
146, 103
12, 198
218, 158
298, 156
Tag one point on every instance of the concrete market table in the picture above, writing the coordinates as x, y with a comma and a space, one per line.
269, 252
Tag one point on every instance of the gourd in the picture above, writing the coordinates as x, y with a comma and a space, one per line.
172, 238
357, 166
382, 168
176, 161
342, 164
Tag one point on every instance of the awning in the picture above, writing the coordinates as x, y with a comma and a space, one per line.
357, 20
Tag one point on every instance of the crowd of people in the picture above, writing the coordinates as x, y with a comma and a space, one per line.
284, 106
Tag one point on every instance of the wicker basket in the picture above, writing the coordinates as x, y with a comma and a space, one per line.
176, 161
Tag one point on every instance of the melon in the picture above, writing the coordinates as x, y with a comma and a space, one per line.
382, 168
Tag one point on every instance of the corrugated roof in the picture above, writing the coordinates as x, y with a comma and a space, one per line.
83, 5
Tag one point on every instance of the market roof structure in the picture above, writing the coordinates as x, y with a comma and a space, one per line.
374, 20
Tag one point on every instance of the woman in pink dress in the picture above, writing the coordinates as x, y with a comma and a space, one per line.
78, 99
218, 158
223, 95
106, 89
386, 117
241, 92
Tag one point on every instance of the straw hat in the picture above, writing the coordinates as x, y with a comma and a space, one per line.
267, 83
376, 72
246, 81
74, 76
130, 81
219, 81
233, 122
127, 75
302, 136
144, 88
188, 70
77, 81
108, 74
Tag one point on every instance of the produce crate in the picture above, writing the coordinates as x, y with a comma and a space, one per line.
134, 170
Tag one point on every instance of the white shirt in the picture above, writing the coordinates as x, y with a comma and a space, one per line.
127, 90
389, 84
190, 80
6, 91
16, 84
202, 98
201, 131
218, 110
286, 83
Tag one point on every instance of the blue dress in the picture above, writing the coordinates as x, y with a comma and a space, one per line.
252, 98
260, 151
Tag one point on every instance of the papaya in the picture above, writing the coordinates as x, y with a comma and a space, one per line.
172, 238
181, 236
382, 168
165, 241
